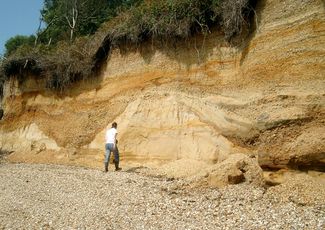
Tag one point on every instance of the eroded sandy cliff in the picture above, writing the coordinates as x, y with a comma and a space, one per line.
199, 100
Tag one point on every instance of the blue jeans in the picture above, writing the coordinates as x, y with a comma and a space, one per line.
110, 148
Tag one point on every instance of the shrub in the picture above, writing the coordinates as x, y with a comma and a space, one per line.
233, 13
164, 19
60, 66
74, 64
178, 19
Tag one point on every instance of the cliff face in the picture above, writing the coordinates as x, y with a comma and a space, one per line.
200, 99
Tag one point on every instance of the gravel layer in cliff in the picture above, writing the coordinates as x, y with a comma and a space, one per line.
60, 197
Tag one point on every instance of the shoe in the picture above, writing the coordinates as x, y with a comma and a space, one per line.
116, 166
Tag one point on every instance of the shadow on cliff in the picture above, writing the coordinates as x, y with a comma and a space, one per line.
187, 52
253, 29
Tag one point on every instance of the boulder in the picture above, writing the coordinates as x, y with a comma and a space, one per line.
238, 168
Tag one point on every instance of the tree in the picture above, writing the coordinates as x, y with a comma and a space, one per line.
19, 40
67, 19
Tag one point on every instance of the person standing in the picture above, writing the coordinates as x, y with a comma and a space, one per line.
111, 146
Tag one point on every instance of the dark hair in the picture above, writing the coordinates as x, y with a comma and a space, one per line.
114, 125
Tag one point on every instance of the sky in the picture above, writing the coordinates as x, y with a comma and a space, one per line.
18, 17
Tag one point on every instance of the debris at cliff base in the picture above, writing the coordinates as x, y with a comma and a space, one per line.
238, 168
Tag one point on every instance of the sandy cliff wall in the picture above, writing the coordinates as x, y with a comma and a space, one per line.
201, 99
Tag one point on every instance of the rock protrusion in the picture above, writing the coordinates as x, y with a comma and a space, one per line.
306, 152
238, 168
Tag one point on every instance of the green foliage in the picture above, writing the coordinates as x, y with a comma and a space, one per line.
66, 20
18, 41
2, 79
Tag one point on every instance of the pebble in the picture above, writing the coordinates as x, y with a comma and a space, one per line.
62, 197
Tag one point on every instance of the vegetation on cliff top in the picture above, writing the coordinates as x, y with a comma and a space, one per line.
71, 48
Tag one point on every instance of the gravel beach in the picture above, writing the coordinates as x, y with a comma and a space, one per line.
62, 197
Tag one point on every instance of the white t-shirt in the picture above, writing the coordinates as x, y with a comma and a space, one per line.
110, 136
